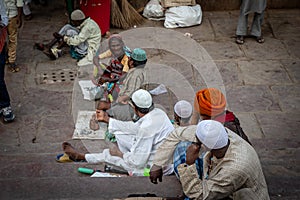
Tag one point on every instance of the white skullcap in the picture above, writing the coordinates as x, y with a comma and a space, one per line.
183, 109
212, 134
142, 98
77, 15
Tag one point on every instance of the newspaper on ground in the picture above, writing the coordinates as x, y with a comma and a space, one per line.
82, 129
159, 90
90, 91
105, 174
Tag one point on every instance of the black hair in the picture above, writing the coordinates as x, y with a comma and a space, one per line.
142, 110
137, 63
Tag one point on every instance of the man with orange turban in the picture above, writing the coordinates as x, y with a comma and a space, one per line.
210, 103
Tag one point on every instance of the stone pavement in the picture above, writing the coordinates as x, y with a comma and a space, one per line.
261, 83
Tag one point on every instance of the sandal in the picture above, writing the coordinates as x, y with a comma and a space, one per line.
13, 67
239, 39
49, 53
260, 39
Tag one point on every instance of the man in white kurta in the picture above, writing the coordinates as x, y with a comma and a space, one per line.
137, 141
236, 174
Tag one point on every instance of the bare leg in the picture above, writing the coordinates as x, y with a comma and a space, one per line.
71, 152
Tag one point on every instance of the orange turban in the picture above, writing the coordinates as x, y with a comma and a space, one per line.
210, 102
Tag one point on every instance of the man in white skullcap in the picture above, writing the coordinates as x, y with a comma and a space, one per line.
137, 141
231, 167
182, 113
83, 36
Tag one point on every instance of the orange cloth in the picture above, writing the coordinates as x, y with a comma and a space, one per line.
210, 102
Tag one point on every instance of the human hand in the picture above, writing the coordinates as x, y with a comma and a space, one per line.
123, 99
101, 81
102, 116
192, 153
96, 61
156, 172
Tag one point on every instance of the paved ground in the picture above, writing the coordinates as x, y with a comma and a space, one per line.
261, 83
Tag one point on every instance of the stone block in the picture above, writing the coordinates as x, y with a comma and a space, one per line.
263, 72
251, 99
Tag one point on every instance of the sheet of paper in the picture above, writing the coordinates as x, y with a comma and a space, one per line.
82, 129
86, 86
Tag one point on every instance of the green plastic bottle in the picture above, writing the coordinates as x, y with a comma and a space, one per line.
86, 170
147, 171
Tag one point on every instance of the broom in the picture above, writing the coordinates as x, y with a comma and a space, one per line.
131, 16
117, 18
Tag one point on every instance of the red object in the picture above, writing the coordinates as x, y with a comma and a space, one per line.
99, 11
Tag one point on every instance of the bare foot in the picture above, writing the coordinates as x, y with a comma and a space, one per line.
71, 152
115, 151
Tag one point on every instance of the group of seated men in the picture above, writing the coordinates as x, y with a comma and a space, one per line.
205, 147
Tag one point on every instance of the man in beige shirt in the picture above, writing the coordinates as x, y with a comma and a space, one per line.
231, 167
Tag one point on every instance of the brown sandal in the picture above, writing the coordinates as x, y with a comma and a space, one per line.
239, 39
260, 39
13, 67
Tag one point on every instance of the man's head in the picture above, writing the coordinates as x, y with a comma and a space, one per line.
138, 57
209, 102
116, 45
142, 102
77, 17
182, 112
212, 134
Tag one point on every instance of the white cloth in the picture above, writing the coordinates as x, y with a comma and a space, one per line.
138, 141
212, 134
12, 7
183, 109
90, 33
142, 98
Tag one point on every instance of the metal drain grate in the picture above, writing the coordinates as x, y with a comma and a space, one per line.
59, 76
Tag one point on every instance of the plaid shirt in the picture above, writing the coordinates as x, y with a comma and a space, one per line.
238, 175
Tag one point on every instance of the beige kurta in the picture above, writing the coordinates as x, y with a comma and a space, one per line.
238, 174
89, 32
134, 80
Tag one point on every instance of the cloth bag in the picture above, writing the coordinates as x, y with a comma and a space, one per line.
183, 16
154, 11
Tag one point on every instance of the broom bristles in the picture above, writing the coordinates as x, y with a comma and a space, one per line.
131, 16
117, 18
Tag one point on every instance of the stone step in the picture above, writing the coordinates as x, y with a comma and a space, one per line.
86, 187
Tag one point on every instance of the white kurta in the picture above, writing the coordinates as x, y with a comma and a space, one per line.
138, 141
